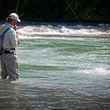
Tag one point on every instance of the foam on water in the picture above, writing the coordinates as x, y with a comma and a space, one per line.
96, 71
62, 30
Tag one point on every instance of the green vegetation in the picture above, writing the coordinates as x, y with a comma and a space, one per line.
58, 10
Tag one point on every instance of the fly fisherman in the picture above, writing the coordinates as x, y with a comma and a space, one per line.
8, 43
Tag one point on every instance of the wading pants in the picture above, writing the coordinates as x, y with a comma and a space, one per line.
9, 67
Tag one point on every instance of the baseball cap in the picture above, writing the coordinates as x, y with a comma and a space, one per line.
14, 16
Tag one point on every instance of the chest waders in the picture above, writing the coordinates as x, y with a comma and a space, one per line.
9, 65
2, 40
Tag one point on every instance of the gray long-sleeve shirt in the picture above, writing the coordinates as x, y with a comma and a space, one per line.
10, 40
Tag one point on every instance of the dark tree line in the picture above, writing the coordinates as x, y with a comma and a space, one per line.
58, 10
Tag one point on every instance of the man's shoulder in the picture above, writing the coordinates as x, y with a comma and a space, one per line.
2, 27
9, 30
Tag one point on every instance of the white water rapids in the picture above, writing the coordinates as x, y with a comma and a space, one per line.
65, 31
102, 30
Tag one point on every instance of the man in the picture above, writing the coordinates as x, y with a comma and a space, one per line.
9, 65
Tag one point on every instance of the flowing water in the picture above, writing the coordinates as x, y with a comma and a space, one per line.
60, 73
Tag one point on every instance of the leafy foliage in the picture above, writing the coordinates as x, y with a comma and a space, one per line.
58, 10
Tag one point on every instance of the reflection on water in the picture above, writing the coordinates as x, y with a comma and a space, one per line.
60, 74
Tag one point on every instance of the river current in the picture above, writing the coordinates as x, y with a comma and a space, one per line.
60, 73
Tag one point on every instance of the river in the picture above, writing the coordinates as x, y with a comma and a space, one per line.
60, 73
